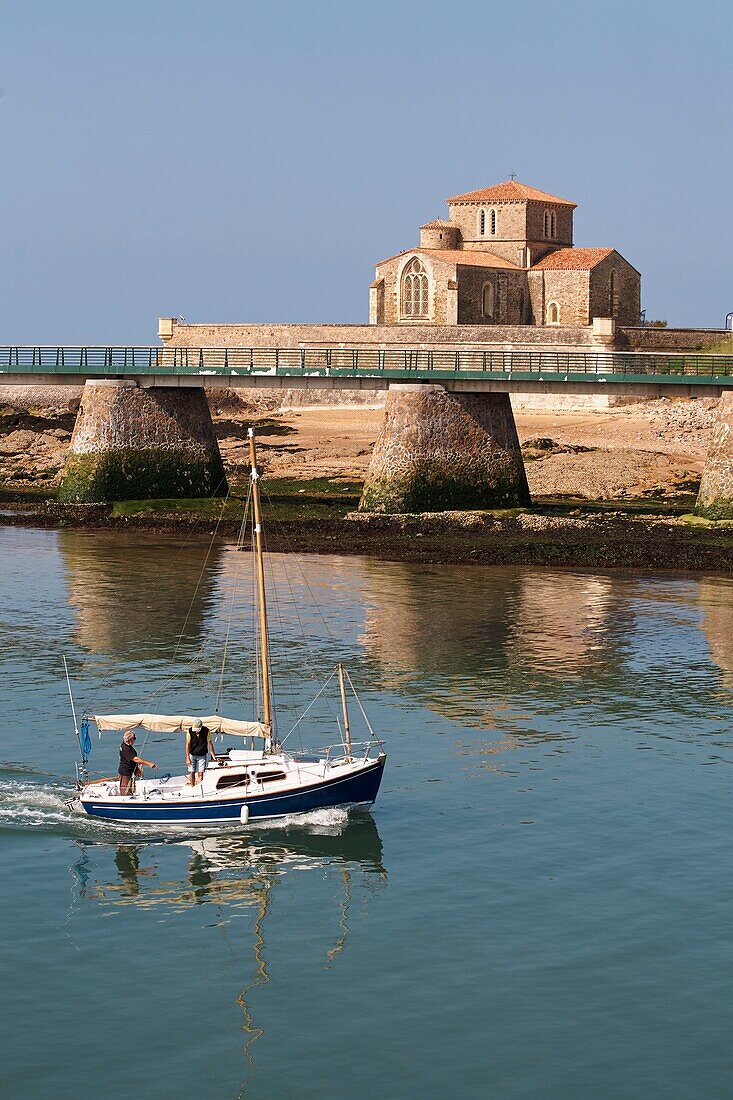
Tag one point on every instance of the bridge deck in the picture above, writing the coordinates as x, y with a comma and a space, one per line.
371, 368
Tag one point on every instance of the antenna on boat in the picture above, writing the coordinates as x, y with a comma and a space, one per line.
82, 739
345, 709
259, 546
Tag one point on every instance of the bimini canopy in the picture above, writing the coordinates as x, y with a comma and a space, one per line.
178, 723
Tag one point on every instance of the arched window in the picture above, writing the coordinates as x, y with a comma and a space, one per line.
553, 314
482, 223
553, 225
414, 290
546, 224
488, 300
492, 223
613, 294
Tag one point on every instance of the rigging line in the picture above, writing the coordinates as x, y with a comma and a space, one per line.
231, 607
361, 708
291, 550
292, 556
186, 542
204, 565
313, 700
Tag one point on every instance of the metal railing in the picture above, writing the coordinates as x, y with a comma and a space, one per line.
351, 362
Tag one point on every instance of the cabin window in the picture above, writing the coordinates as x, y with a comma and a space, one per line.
488, 300
238, 780
414, 290
553, 314
482, 223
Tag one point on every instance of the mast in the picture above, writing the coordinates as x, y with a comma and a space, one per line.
262, 601
347, 729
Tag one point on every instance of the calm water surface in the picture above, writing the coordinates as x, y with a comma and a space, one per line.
539, 906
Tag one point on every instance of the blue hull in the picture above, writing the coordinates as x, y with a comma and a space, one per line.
349, 791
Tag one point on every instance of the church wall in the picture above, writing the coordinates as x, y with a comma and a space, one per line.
571, 291
438, 275
536, 226
509, 296
628, 290
510, 236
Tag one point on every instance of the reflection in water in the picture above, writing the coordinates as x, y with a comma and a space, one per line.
240, 871
715, 596
446, 641
133, 595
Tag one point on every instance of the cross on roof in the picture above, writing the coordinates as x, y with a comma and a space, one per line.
512, 175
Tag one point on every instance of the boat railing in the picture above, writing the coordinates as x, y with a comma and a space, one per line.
355, 746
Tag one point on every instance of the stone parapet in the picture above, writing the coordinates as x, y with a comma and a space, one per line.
440, 450
649, 338
715, 499
131, 443
495, 337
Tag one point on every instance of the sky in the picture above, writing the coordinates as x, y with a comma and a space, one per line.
251, 161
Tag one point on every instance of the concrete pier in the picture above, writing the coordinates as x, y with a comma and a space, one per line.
715, 499
138, 444
439, 451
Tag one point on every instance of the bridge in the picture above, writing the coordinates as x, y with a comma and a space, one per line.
462, 370
449, 439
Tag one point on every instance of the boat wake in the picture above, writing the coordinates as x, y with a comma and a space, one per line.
329, 820
25, 804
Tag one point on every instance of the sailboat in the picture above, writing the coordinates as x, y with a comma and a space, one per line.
259, 781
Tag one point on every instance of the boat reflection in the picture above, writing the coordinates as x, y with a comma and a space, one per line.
228, 868
240, 872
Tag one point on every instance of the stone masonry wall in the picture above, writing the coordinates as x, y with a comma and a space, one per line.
423, 335
571, 291
627, 290
509, 295
715, 499
672, 339
439, 451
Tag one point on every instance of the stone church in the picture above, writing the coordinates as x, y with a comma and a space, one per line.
505, 256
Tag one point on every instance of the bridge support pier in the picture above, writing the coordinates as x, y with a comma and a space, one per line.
439, 451
139, 444
715, 499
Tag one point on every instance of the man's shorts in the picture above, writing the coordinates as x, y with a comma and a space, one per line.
197, 765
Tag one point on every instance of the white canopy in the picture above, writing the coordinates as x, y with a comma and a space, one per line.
174, 723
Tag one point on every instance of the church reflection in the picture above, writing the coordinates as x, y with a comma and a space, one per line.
136, 596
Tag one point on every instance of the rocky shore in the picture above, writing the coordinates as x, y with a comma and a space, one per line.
590, 540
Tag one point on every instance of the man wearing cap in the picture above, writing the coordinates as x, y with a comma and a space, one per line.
199, 743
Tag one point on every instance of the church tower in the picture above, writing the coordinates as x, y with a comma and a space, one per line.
516, 222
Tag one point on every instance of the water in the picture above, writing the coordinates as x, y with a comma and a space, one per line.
539, 906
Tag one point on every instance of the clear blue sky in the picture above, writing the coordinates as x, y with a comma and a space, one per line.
252, 160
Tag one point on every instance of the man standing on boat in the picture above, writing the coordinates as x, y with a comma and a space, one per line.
130, 763
199, 743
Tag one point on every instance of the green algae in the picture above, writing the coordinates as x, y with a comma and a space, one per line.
137, 474
430, 489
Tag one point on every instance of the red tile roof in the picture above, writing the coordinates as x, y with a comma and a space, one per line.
438, 223
510, 191
572, 259
457, 256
